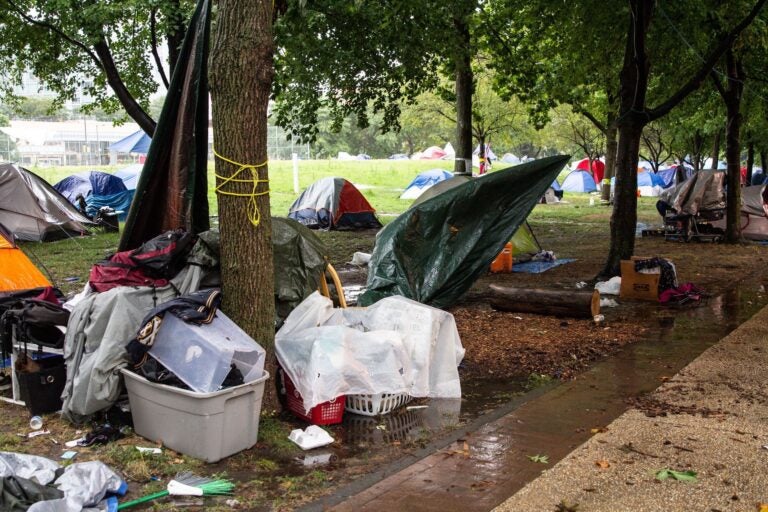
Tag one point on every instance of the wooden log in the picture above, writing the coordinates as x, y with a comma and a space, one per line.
569, 303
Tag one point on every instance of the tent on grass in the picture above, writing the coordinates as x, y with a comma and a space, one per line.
17, 272
754, 213
137, 142
333, 203
31, 209
649, 183
435, 251
674, 175
130, 175
88, 183
432, 153
579, 180
597, 169
523, 241
424, 181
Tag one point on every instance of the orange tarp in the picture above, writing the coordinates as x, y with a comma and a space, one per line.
16, 271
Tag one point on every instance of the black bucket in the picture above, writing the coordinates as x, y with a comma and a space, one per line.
41, 391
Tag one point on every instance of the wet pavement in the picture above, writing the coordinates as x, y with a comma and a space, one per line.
481, 465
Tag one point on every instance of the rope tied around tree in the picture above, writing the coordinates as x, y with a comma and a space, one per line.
254, 215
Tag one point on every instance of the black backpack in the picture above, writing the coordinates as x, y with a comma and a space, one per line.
165, 255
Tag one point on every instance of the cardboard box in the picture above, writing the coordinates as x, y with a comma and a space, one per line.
637, 285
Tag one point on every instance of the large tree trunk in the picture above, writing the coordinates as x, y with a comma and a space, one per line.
241, 80
698, 144
611, 147
463, 163
750, 161
632, 91
732, 98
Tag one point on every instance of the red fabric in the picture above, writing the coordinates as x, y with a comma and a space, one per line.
743, 175
48, 295
120, 270
598, 169
351, 201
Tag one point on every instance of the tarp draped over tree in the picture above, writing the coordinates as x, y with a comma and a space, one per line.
173, 189
436, 250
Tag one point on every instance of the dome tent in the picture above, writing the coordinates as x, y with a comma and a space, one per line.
88, 183
579, 181
424, 181
32, 210
333, 203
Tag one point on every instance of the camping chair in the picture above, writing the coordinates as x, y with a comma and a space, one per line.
336, 283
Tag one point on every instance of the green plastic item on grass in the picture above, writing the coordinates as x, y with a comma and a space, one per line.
186, 484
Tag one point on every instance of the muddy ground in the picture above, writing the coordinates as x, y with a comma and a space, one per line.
499, 347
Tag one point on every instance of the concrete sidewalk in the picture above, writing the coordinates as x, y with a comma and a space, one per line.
712, 418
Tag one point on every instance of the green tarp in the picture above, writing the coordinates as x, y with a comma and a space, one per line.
173, 186
436, 250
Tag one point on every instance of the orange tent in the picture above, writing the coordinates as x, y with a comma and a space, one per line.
16, 271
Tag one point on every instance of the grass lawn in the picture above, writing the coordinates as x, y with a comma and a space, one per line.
381, 181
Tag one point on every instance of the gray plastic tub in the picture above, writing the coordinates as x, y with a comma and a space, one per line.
208, 426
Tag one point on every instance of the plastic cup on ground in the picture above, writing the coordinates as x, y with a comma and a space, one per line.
36, 423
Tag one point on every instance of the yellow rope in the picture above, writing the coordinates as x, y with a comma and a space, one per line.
254, 216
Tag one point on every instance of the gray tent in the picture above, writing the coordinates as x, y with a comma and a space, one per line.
32, 210
754, 213
704, 191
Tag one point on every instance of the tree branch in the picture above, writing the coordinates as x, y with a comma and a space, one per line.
600, 126
705, 69
158, 61
718, 85
130, 104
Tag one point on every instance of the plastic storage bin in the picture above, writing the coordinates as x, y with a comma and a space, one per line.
326, 413
208, 426
202, 355
376, 405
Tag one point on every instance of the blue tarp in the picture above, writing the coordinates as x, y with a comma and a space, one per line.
425, 180
130, 175
579, 181
90, 182
121, 202
649, 179
137, 142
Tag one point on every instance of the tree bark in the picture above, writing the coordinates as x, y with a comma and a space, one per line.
571, 303
175, 34
632, 92
764, 161
611, 147
715, 157
750, 161
733, 146
463, 163
241, 80
698, 145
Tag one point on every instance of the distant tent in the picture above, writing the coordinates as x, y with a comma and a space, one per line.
579, 181
31, 209
333, 203
553, 194
130, 175
758, 177
509, 158
597, 170
424, 181
754, 213
449, 151
523, 241
649, 183
137, 142
432, 153
674, 175
16, 271
89, 183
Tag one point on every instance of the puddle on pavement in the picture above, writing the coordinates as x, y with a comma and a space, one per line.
674, 338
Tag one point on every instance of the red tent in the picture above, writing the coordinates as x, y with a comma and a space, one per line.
598, 168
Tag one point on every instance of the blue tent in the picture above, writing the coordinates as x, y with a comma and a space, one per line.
120, 202
649, 179
423, 181
129, 175
137, 142
556, 186
579, 181
670, 177
89, 183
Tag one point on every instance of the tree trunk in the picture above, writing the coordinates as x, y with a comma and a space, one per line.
716, 149
463, 163
569, 303
175, 33
241, 80
732, 99
764, 161
632, 92
698, 144
611, 146
750, 162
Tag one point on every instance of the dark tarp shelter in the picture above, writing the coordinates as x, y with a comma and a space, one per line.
436, 250
88, 183
32, 210
173, 187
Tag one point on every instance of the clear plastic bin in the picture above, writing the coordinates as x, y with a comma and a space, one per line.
202, 355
